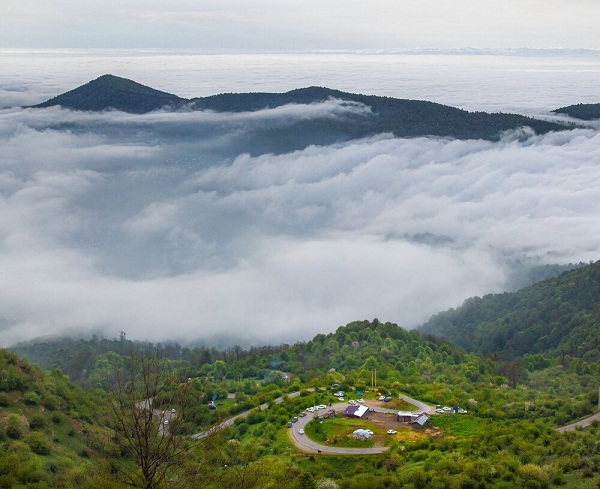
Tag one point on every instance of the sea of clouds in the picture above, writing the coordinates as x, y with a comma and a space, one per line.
168, 226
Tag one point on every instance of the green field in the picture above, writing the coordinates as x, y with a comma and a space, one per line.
338, 432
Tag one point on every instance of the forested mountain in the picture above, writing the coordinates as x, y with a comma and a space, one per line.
557, 316
113, 92
403, 118
585, 112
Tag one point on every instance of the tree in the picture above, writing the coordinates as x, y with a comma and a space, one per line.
147, 433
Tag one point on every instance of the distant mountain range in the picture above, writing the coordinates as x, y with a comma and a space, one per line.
401, 117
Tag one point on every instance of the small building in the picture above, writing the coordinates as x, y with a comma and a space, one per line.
356, 411
330, 414
421, 420
407, 416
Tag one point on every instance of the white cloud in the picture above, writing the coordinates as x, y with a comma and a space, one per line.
114, 224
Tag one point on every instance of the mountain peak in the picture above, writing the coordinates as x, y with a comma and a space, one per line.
113, 92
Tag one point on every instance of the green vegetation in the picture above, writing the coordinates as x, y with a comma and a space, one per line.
338, 432
558, 317
56, 434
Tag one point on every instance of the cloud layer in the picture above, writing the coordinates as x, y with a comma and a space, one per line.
165, 226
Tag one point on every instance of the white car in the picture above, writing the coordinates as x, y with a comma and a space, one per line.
361, 401
300, 431
391, 432
341, 399
353, 402
321, 406
447, 408
310, 409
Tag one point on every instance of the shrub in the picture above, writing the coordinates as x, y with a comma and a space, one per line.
38, 443
38, 421
4, 399
31, 398
14, 428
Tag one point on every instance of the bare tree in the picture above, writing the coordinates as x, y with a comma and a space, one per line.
148, 409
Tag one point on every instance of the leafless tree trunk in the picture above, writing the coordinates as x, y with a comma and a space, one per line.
148, 436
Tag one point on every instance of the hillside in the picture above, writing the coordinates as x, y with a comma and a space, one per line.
48, 427
403, 118
585, 112
556, 316
113, 92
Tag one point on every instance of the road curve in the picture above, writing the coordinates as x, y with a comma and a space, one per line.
582, 423
230, 421
307, 445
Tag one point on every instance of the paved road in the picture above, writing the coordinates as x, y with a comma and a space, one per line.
582, 423
230, 421
307, 445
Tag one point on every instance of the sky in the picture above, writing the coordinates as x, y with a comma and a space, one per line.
171, 226
271, 25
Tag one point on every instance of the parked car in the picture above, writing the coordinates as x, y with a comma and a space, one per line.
439, 411
361, 401
310, 409
300, 431
321, 406
294, 419
391, 432
387, 399
353, 402
289, 425
340, 399
302, 415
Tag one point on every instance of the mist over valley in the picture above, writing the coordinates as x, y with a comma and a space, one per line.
235, 226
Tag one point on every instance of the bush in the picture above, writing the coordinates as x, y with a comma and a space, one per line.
38, 443
31, 398
14, 429
38, 421
4, 399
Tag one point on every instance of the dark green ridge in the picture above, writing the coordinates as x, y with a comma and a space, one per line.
401, 117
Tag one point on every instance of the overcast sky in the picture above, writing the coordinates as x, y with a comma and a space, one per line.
302, 25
